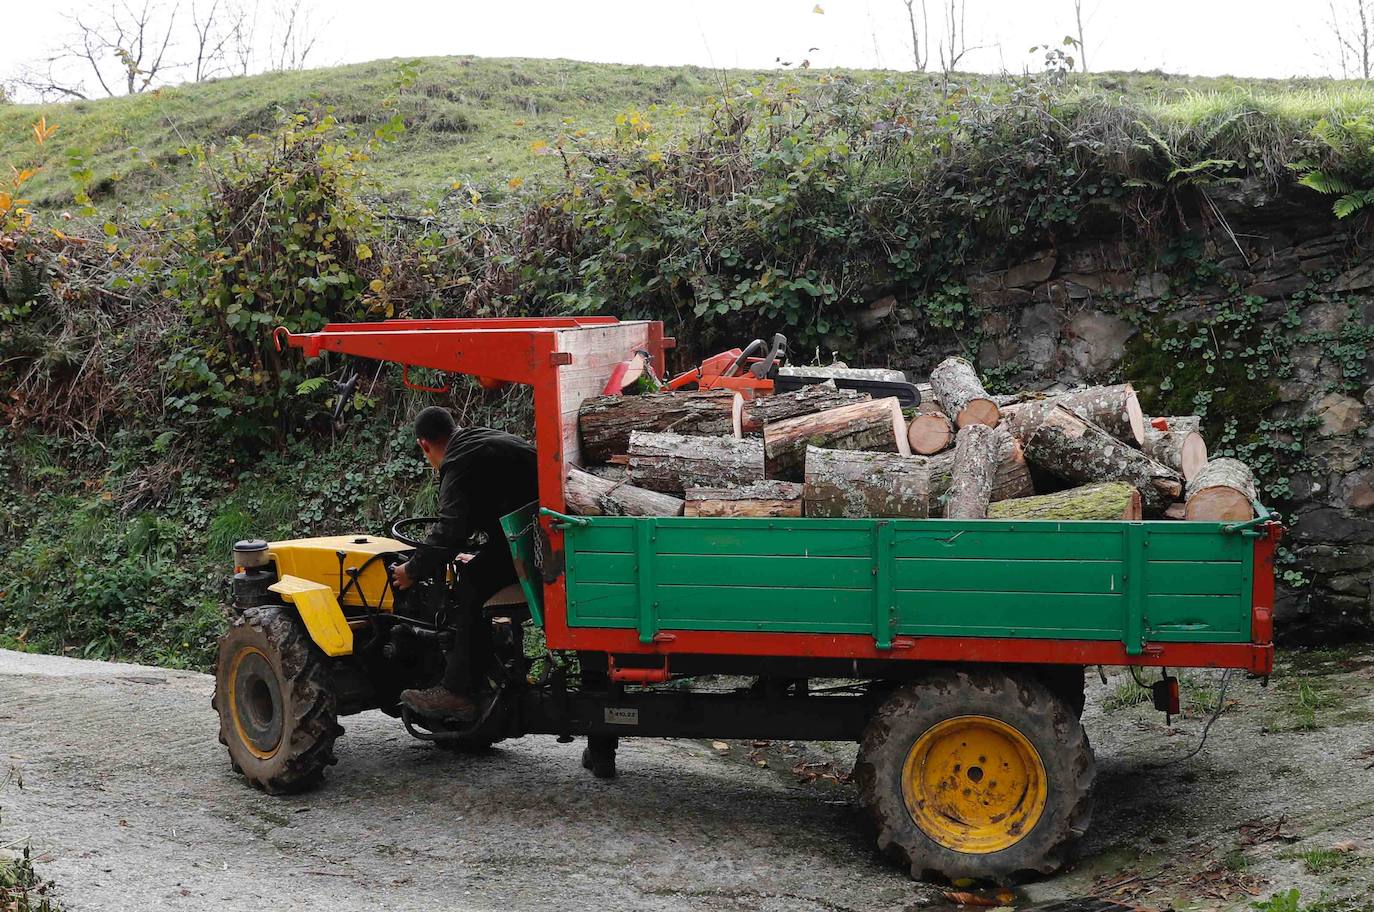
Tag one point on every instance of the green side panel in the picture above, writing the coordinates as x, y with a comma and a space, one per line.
1130, 582
520, 529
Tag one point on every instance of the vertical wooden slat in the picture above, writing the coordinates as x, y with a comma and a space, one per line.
644, 558
884, 603
1134, 542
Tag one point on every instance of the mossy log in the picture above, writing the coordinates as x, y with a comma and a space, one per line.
1013, 478
762, 498
875, 425
588, 495
961, 394
1176, 443
1109, 500
854, 484
605, 422
765, 410
978, 451
1223, 491
1115, 409
671, 463
1079, 451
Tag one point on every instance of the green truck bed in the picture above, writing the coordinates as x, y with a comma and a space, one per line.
1132, 582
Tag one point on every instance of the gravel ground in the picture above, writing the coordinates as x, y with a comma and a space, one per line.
117, 780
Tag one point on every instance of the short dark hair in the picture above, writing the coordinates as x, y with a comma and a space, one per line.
435, 424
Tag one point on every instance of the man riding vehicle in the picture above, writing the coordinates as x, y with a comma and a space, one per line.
483, 475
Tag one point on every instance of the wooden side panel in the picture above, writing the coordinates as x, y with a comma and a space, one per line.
595, 350
1132, 583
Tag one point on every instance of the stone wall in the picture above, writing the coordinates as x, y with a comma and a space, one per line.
1273, 279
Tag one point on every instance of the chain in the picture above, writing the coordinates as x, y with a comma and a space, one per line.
532, 529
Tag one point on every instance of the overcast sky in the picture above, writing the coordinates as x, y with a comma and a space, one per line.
1201, 37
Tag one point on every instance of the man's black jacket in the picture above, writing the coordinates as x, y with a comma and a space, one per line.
485, 475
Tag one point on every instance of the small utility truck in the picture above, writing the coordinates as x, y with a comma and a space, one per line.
952, 651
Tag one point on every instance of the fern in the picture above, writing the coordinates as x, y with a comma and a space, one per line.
306, 387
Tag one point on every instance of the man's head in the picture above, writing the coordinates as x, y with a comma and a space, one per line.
433, 427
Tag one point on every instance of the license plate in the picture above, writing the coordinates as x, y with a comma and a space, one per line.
620, 716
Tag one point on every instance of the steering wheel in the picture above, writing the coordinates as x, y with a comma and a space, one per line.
405, 539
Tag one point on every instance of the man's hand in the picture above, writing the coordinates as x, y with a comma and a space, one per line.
400, 576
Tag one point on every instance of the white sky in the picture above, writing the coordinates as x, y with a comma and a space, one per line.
1200, 37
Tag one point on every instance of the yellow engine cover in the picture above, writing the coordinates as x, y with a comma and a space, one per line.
317, 560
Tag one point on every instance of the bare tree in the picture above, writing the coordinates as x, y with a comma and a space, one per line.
953, 43
1352, 27
125, 51
1082, 46
920, 38
297, 31
243, 34
213, 33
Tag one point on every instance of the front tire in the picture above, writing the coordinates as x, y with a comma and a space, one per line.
277, 708
977, 773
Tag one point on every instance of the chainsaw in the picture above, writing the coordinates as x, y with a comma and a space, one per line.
753, 371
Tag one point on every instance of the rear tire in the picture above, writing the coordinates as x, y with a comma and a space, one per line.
929, 766
277, 708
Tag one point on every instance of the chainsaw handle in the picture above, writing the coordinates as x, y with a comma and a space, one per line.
761, 368
749, 350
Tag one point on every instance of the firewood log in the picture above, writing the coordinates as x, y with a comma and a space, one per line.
1013, 478
1223, 491
1109, 500
671, 463
978, 451
1176, 511
1176, 443
930, 431
762, 498
854, 484
1115, 409
588, 495
842, 372
1079, 451
605, 422
765, 410
961, 395
875, 425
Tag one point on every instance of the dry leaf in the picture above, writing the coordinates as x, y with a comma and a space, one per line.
720, 746
964, 898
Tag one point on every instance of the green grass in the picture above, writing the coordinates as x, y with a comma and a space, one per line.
478, 121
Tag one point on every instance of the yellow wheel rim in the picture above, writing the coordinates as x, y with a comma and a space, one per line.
974, 784
255, 702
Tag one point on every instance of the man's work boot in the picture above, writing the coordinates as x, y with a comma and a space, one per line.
599, 756
438, 702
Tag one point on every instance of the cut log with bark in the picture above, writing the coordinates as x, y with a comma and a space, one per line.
978, 451
875, 425
1013, 478
842, 372
1115, 409
611, 471
671, 463
930, 430
1176, 511
605, 422
961, 395
1223, 491
1109, 500
765, 410
762, 498
1079, 451
854, 484
1177, 444
588, 495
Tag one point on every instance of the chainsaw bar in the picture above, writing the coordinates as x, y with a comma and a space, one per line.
908, 396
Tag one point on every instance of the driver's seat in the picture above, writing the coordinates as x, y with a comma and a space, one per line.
508, 603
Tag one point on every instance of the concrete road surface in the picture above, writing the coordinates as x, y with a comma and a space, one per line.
116, 779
